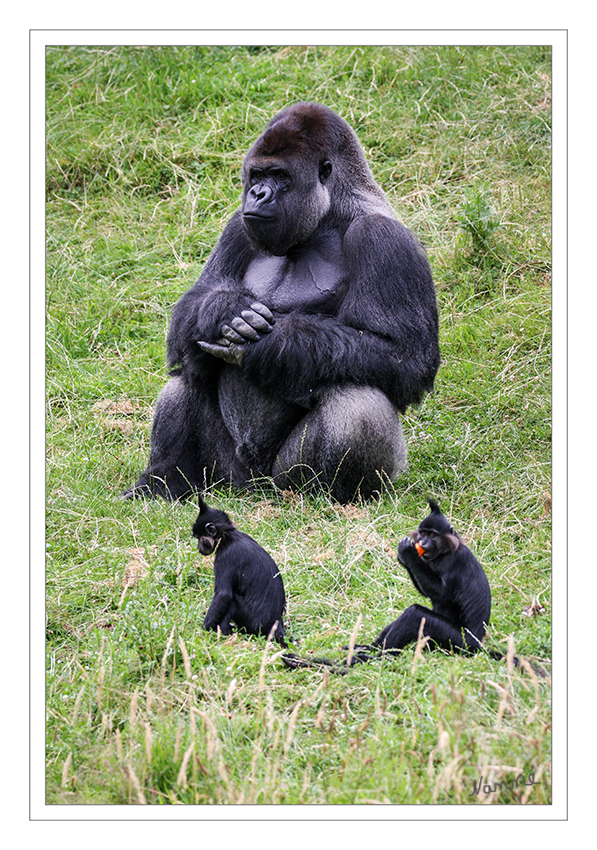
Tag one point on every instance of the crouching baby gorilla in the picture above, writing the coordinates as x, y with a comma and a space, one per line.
444, 570
248, 587
314, 322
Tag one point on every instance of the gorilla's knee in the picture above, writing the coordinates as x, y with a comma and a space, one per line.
362, 430
352, 443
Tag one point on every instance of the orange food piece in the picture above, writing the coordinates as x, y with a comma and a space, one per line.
419, 549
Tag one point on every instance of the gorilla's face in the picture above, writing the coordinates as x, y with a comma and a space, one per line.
284, 201
207, 536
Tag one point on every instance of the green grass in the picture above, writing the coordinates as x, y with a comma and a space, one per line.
143, 161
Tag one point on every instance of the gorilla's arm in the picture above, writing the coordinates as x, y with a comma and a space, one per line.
427, 582
385, 334
216, 298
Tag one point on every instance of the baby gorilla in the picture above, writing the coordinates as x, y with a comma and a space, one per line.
444, 570
248, 587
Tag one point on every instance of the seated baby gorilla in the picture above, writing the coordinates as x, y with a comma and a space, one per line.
248, 587
444, 570
313, 325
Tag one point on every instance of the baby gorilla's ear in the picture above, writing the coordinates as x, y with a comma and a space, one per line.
452, 542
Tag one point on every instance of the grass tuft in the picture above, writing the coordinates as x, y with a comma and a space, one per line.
144, 147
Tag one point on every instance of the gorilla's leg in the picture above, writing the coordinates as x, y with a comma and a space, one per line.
352, 442
257, 421
442, 632
190, 445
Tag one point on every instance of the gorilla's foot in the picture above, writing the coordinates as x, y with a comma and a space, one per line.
177, 488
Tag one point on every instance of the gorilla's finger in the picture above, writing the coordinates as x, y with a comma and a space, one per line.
264, 311
244, 329
257, 321
232, 335
229, 353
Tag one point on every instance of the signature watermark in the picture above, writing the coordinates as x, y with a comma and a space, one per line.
484, 787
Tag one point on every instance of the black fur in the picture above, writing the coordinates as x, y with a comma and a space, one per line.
313, 323
248, 587
450, 576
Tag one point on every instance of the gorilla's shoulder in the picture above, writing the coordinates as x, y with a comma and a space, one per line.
377, 229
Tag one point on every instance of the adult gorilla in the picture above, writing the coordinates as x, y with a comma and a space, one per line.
313, 323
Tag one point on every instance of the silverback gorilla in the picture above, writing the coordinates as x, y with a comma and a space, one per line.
313, 323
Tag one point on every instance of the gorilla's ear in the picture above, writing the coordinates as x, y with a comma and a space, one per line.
325, 169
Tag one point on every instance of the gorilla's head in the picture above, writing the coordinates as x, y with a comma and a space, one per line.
210, 528
306, 165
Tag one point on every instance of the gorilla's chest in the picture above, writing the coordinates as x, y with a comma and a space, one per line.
313, 281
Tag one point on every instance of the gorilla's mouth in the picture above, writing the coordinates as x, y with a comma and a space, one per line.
259, 216
206, 545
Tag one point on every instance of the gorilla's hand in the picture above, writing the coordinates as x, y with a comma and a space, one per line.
228, 351
250, 326
406, 549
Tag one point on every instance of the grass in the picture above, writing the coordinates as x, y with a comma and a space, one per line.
143, 160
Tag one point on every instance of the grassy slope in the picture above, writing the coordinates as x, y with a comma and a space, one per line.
144, 153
